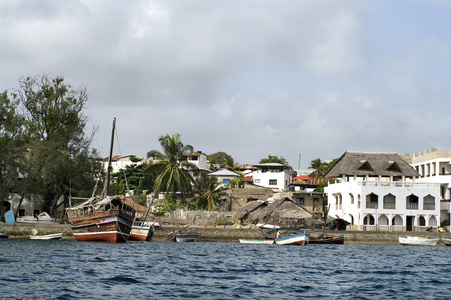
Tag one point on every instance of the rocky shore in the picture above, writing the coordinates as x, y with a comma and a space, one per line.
223, 234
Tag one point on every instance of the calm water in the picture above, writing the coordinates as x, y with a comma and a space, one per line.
67, 269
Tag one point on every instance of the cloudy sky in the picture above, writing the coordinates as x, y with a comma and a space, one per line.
298, 79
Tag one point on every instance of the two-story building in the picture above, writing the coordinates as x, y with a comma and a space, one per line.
378, 191
276, 176
434, 166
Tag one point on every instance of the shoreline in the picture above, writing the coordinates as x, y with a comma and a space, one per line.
225, 234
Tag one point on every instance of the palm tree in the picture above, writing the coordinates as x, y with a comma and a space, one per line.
173, 172
209, 194
318, 168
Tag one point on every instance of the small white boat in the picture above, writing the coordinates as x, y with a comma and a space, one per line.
54, 236
185, 237
296, 239
3, 236
260, 242
417, 241
267, 226
447, 242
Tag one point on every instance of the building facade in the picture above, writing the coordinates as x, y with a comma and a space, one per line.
434, 166
378, 191
276, 176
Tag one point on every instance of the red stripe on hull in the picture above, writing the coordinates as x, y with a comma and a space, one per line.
137, 237
111, 237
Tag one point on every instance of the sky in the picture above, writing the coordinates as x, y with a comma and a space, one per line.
295, 79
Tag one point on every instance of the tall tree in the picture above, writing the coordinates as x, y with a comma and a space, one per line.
219, 158
11, 140
173, 172
59, 156
317, 166
274, 159
209, 194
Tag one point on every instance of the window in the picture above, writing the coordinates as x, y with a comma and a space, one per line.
300, 201
273, 182
257, 181
225, 181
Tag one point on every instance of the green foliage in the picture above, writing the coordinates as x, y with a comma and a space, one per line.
173, 172
221, 158
118, 188
444, 223
209, 194
138, 177
143, 199
274, 159
56, 157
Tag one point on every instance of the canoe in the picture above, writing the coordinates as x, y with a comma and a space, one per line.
185, 237
55, 236
259, 242
417, 241
297, 239
326, 239
447, 242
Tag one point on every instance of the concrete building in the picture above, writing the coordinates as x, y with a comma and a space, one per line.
276, 176
434, 166
378, 191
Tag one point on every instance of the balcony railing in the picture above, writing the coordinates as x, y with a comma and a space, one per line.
397, 227
389, 205
396, 184
371, 204
411, 205
369, 227
429, 206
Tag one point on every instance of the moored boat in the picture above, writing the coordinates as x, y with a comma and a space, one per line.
3, 236
326, 239
54, 236
101, 220
417, 241
295, 239
105, 218
447, 242
180, 237
258, 242
141, 233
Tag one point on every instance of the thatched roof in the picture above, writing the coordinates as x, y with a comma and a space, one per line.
372, 164
281, 209
249, 208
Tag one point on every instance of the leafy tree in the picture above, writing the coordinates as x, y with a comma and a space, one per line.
209, 194
11, 149
173, 172
138, 177
274, 159
58, 158
219, 158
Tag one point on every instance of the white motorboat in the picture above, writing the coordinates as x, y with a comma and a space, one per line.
267, 226
447, 242
54, 236
417, 241
185, 237
259, 242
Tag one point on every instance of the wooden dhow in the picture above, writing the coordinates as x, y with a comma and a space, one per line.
105, 218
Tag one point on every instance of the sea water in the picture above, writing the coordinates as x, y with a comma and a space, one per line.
67, 269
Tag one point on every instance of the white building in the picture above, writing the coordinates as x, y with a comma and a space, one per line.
378, 191
199, 159
434, 166
273, 175
119, 162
